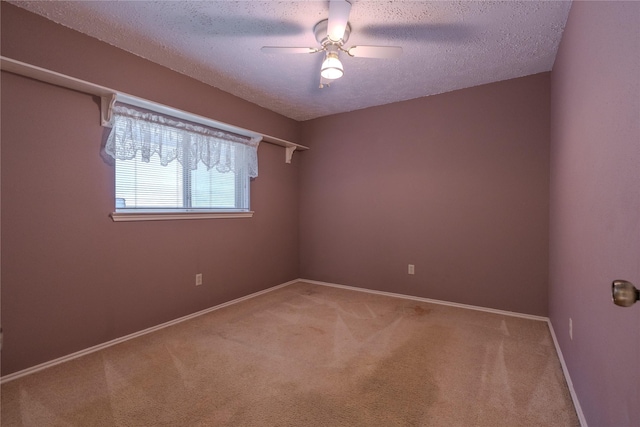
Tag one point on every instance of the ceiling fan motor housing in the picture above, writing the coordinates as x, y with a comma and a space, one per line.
320, 31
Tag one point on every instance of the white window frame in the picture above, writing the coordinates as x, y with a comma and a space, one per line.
135, 214
160, 214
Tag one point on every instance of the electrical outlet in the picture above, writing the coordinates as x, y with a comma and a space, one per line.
412, 269
571, 328
198, 279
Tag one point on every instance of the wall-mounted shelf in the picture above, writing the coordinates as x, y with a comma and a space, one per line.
110, 96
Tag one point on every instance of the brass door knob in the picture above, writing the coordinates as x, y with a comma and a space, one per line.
624, 293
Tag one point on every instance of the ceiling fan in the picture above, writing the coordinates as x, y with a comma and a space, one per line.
332, 34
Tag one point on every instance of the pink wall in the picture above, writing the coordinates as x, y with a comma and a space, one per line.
595, 206
72, 278
456, 184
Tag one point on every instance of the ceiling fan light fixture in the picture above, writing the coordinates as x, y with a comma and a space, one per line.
331, 67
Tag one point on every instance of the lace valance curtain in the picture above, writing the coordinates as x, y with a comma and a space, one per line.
170, 139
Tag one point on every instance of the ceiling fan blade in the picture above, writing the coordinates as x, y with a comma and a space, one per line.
277, 49
382, 52
338, 19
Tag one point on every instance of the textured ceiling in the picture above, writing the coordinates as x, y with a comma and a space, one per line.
448, 45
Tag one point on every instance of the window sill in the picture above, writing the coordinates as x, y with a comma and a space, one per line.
165, 216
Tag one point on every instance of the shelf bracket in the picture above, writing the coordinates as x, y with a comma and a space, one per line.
106, 110
289, 153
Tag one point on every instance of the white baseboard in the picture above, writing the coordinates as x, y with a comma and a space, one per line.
98, 347
567, 377
565, 371
432, 301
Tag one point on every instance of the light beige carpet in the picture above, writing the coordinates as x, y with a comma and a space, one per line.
308, 355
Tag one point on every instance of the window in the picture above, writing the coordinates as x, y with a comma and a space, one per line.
166, 165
